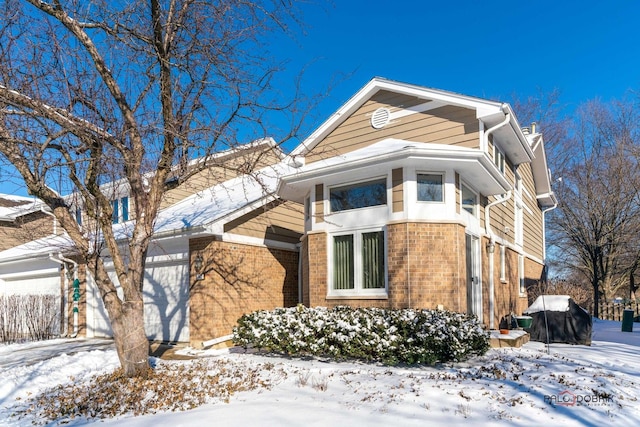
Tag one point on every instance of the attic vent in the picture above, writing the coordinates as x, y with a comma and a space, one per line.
380, 118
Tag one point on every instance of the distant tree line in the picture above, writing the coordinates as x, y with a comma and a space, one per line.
592, 235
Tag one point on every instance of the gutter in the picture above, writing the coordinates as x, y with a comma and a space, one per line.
507, 119
491, 249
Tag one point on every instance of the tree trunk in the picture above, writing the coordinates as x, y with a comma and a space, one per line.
596, 299
130, 338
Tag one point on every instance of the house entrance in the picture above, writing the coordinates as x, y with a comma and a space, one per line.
474, 285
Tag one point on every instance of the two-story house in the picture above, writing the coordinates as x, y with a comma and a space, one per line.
421, 198
405, 197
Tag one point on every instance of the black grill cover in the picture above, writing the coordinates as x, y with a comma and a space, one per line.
567, 321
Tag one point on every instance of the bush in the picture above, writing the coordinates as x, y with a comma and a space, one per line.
370, 334
29, 317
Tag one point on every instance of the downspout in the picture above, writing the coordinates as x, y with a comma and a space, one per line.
55, 220
491, 249
75, 303
492, 239
485, 139
64, 295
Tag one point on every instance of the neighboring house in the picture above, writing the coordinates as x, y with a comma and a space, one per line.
23, 219
421, 198
245, 240
405, 197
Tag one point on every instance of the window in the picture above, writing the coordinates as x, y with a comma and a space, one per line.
498, 158
79, 216
359, 263
469, 200
120, 210
360, 195
430, 188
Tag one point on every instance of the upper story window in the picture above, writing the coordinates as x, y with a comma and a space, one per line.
79, 216
498, 158
120, 210
430, 187
469, 200
360, 195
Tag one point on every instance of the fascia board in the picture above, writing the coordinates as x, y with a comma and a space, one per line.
289, 184
216, 227
483, 107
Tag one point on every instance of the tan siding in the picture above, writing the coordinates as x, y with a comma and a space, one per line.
277, 221
445, 125
224, 169
533, 232
25, 229
397, 190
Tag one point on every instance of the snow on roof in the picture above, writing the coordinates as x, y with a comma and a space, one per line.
38, 248
214, 203
198, 210
12, 206
549, 303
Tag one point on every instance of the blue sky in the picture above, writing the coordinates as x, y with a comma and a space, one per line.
490, 49
493, 49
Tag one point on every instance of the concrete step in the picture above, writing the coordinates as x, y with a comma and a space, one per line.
515, 338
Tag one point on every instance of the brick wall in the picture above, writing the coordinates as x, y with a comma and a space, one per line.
425, 263
426, 266
238, 279
507, 297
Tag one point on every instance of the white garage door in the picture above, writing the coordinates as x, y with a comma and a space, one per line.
166, 296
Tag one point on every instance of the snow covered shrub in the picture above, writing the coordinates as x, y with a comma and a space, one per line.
370, 334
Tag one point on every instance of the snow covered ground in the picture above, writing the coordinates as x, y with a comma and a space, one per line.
570, 386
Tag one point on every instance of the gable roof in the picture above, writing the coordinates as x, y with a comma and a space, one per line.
12, 207
488, 112
204, 212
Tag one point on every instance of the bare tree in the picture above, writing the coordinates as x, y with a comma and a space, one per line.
596, 224
98, 91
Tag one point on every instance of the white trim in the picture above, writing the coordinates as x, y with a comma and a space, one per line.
443, 177
483, 107
357, 291
256, 241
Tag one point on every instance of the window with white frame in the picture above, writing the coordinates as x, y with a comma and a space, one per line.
498, 158
358, 195
359, 263
120, 210
469, 200
430, 187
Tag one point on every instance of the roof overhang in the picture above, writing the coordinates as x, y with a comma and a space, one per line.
489, 112
541, 174
473, 166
